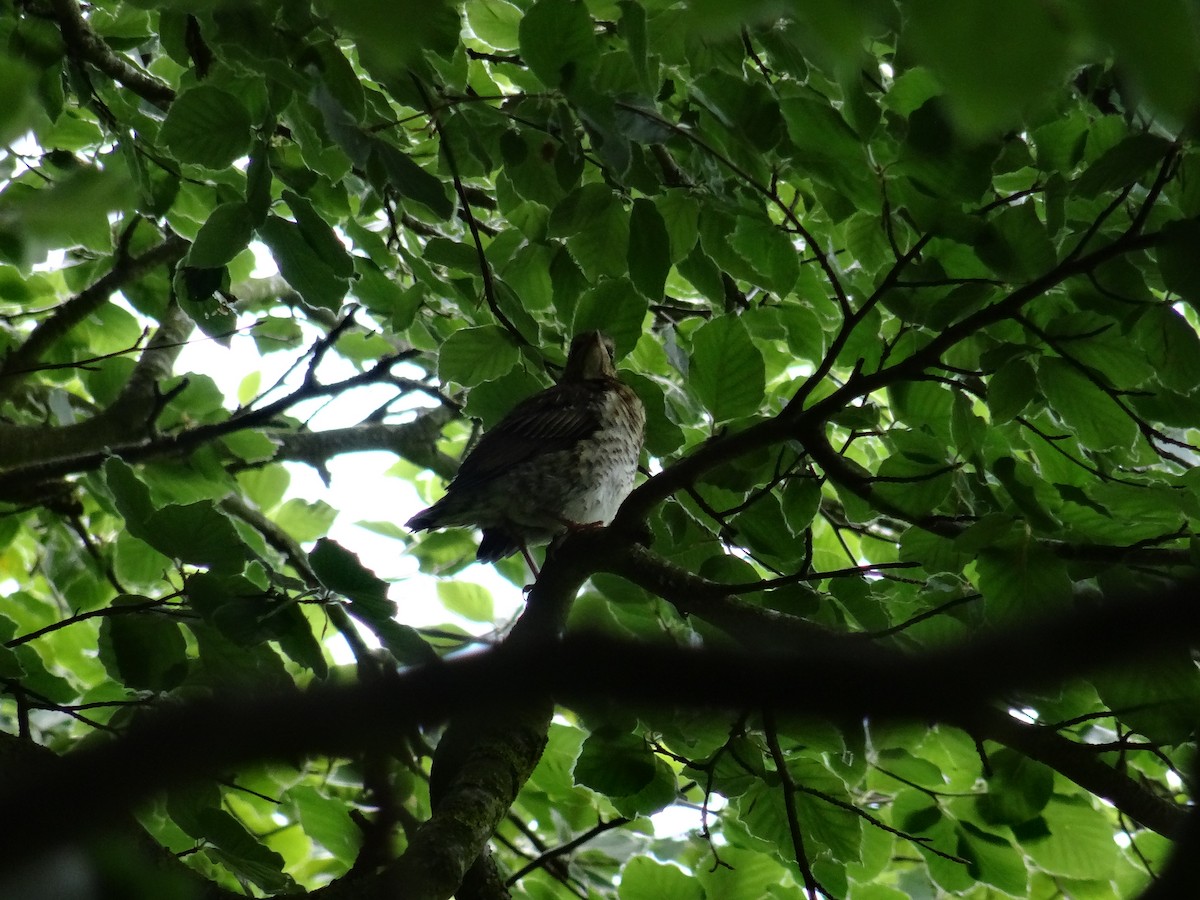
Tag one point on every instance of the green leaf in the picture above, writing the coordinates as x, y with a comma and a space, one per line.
769, 251
452, 254
207, 126
393, 35
341, 572
403, 641
1122, 164
136, 563
1026, 491
742, 875
615, 764
615, 308
496, 22
304, 520
921, 404
1015, 244
72, 211
660, 792
1177, 260
19, 106
726, 370
1155, 49
1023, 583
411, 181
471, 601
319, 236
131, 495
142, 649
301, 263
1018, 788
680, 214
225, 234
643, 878
1171, 346
1027, 53
471, 356
830, 824
327, 821
197, 533
1093, 414
915, 486
968, 430
229, 841
764, 529
1106, 349
383, 296
1060, 143
828, 149
1076, 841
993, 860
596, 227
649, 249
557, 41
1160, 700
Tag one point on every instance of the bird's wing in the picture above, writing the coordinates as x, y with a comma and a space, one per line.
553, 420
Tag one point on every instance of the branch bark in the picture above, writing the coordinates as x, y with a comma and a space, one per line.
532, 669
415, 441
86, 46
125, 269
127, 420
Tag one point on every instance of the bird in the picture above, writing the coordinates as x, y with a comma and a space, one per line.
562, 460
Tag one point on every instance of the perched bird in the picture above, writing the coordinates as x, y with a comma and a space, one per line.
563, 459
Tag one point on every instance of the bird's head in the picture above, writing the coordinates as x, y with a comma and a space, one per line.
590, 356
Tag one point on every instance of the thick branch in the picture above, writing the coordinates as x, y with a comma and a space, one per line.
187, 440
128, 419
953, 685
86, 46
487, 754
26, 758
415, 441
25, 357
765, 630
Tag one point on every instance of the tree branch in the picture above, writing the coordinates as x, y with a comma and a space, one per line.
86, 46
202, 738
188, 439
125, 269
415, 441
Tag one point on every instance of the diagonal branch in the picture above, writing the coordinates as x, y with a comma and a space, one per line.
86, 46
189, 439
51, 330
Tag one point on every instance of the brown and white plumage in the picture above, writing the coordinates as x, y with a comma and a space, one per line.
563, 458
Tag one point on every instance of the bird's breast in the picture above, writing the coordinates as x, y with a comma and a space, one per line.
607, 460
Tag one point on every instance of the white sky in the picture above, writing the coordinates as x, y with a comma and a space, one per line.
359, 487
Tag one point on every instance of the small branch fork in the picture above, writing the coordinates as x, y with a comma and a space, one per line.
189, 439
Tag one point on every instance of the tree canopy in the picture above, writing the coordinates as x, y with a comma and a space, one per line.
903, 603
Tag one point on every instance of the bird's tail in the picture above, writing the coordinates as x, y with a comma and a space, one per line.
425, 519
496, 544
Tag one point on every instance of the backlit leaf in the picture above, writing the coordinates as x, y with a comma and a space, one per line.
726, 369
